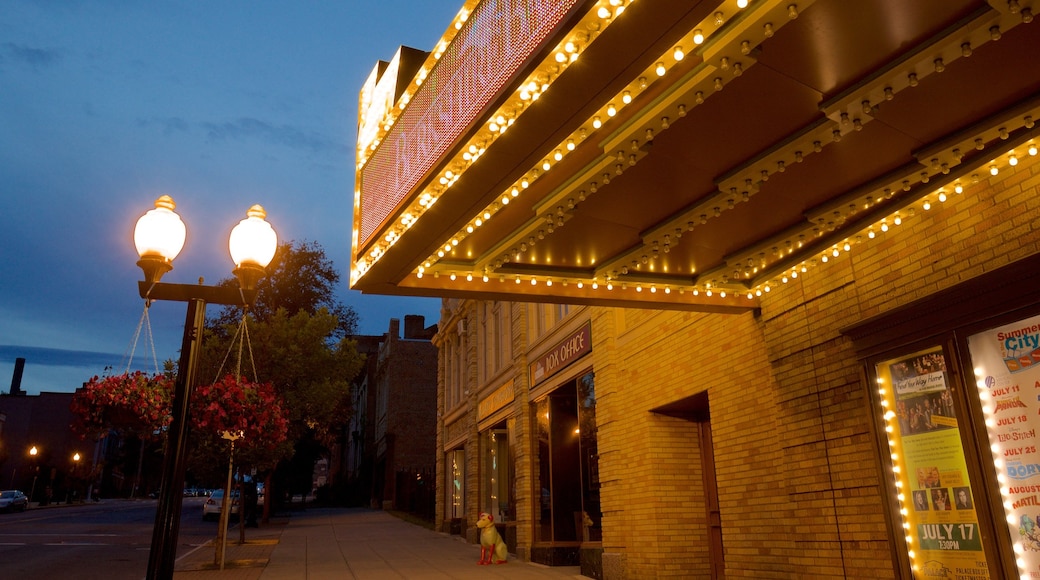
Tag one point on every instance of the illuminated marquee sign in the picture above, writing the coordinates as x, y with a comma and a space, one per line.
496, 41
377, 98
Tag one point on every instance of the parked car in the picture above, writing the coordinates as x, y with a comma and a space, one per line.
212, 505
13, 500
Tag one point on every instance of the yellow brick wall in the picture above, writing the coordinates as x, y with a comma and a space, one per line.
798, 479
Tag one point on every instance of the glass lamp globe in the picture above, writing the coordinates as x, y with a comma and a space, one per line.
159, 237
252, 244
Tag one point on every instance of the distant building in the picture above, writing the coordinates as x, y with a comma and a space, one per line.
41, 422
65, 466
390, 454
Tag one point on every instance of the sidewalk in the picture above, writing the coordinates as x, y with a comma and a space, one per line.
326, 543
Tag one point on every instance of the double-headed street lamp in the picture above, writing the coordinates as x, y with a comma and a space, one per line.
159, 237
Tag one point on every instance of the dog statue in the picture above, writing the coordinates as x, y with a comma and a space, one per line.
492, 546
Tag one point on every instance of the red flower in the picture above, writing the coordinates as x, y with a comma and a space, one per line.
240, 405
133, 402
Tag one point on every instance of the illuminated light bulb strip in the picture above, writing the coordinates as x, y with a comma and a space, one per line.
725, 51
938, 160
856, 106
895, 219
1014, 126
589, 285
565, 53
530, 90
989, 416
899, 478
863, 100
624, 98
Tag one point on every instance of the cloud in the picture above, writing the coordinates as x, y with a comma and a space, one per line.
246, 128
170, 125
58, 357
36, 58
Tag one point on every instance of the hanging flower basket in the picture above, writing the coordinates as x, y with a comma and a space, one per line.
239, 405
131, 402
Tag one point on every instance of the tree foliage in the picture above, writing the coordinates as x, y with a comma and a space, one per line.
299, 278
311, 376
298, 341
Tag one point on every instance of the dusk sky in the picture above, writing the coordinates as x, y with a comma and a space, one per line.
106, 105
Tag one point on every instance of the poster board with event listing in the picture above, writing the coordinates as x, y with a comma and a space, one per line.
937, 504
1006, 361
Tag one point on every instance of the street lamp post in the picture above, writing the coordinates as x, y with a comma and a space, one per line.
74, 493
159, 237
36, 473
227, 504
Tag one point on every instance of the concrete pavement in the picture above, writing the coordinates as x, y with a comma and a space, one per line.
361, 544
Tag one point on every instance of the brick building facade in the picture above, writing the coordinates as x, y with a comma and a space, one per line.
803, 477
800, 241
391, 433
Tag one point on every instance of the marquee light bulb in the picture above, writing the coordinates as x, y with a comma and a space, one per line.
698, 36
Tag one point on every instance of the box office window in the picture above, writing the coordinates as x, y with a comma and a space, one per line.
568, 464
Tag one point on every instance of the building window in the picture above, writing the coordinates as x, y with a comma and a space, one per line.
456, 475
494, 348
503, 330
496, 471
454, 365
560, 311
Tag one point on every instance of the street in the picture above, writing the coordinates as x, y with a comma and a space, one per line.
108, 540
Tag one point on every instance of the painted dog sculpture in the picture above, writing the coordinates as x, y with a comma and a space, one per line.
492, 547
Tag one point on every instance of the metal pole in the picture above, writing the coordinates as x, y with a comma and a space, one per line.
168, 513
225, 508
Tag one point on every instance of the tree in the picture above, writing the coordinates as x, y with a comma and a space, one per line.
299, 278
298, 338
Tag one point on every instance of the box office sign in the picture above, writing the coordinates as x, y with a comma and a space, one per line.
564, 353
